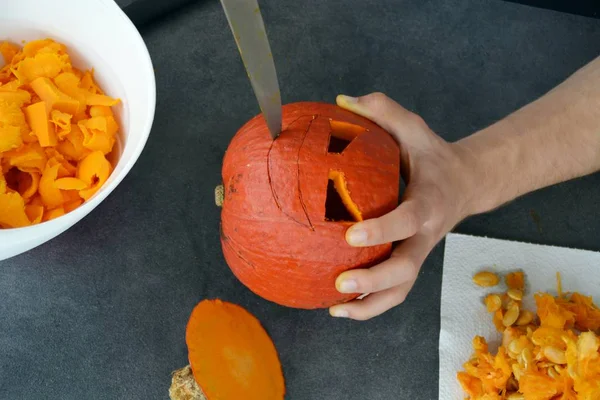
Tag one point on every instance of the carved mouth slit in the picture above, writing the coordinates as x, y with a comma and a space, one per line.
339, 206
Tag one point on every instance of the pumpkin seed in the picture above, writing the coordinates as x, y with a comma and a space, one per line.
558, 369
526, 357
571, 369
509, 335
516, 346
486, 279
537, 340
530, 330
555, 355
493, 302
517, 371
510, 303
515, 294
511, 316
525, 318
516, 396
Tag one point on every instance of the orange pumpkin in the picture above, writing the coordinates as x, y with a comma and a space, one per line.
288, 202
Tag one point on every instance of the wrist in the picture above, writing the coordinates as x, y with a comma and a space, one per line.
485, 164
472, 204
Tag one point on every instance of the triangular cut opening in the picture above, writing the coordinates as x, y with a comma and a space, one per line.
342, 134
335, 209
337, 145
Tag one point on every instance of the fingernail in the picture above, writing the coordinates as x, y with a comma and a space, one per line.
349, 99
340, 313
348, 286
356, 236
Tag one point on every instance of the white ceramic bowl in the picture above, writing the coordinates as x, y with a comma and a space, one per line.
99, 35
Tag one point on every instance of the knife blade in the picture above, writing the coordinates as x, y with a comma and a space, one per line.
246, 23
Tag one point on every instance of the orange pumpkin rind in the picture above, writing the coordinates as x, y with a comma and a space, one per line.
288, 202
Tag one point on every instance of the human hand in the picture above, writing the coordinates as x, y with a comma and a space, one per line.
435, 200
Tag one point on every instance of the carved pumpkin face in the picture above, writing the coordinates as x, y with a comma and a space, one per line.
289, 202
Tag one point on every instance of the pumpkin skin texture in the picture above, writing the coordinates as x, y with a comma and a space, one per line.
276, 234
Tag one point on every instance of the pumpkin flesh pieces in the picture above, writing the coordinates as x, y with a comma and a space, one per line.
557, 355
49, 135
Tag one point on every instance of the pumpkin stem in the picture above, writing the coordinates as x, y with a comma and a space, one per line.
219, 195
184, 386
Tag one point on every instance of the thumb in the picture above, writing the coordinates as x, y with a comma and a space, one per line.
385, 112
405, 221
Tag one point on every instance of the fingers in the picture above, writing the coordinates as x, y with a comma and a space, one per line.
388, 282
384, 111
373, 304
402, 266
397, 225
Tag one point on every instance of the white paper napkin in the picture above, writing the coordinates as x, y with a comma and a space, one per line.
463, 314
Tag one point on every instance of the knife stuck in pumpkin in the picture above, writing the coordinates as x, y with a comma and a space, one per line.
247, 26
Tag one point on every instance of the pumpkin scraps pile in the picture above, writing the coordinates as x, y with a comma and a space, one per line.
550, 355
56, 128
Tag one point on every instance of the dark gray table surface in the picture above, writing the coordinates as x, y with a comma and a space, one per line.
100, 312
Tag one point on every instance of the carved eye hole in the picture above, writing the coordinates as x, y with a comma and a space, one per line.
339, 206
342, 134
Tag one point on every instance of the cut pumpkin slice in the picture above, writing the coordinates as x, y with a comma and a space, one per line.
231, 355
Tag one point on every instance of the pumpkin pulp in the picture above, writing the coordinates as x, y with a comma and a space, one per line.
339, 184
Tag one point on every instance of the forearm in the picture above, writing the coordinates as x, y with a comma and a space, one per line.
553, 139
